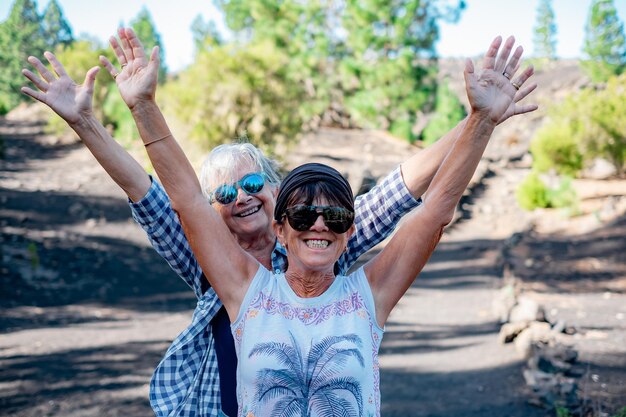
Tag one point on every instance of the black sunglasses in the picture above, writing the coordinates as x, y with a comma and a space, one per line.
337, 219
227, 193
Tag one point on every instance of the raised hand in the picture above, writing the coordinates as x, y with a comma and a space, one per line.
496, 91
137, 79
58, 91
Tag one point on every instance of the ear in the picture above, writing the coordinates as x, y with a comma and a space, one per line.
279, 231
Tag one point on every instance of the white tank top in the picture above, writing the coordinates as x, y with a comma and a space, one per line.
307, 356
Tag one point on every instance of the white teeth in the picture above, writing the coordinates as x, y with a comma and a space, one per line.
317, 244
249, 212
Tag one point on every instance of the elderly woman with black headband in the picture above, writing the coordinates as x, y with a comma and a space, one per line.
307, 340
338, 218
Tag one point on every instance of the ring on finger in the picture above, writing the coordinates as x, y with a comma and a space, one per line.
115, 75
506, 75
516, 85
123, 65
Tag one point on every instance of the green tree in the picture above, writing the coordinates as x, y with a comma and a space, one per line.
544, 38
205, 34
605, 45
57, 30
391, 59
305, 31
149, 37
21, 35
363, 57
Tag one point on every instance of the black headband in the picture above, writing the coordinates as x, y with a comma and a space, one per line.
306, 174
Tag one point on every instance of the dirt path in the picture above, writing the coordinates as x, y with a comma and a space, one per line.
88, 309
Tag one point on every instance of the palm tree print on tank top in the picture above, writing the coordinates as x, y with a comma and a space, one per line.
311, 384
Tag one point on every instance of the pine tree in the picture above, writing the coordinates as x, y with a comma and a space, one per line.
605, 45
21, 35
205, 34
544, 38
57, 30
149, 37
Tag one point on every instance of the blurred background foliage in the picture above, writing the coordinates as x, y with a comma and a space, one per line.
289, 66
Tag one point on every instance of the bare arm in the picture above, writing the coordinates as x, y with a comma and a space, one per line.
73, 103
394, 269
228, 267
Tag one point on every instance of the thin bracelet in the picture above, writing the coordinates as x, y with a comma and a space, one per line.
156, 140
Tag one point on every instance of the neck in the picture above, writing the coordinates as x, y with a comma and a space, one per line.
259, 246
311, 284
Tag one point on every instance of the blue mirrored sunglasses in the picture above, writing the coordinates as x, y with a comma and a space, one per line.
227, 193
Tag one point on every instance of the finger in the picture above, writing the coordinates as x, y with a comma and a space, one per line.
108, 66
154, 56
469, 66
490, 56
41, 68
37, 95
526, 108
39, 83
155, 59
523, 77
135, 44
128, 49
523, 92
90, 79
504, 54
513, 65
117, 49
56, 65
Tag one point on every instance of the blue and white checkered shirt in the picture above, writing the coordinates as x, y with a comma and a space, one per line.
186, 381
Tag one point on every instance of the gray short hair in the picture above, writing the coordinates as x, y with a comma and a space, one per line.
222, 162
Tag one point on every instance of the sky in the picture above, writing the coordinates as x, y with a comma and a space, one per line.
481, 21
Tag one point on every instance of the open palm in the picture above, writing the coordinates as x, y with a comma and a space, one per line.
493, 91
137, 81
69, 100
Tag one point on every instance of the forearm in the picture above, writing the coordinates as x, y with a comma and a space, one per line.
457, 169
115, 160
228, 268
170, 163
418, 171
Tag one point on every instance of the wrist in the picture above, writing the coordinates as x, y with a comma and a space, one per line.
481, 118
143, 105
84, 122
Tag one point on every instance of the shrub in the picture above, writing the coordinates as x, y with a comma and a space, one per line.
532, 193
230, 91
589, 124
556, 146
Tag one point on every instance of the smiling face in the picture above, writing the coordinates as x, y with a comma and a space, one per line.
250, 215
316, 249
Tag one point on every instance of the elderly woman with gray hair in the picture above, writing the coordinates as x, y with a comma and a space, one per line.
184, 383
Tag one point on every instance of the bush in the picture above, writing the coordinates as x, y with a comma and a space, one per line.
555, 146
532, 193
230, 91
588, 125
